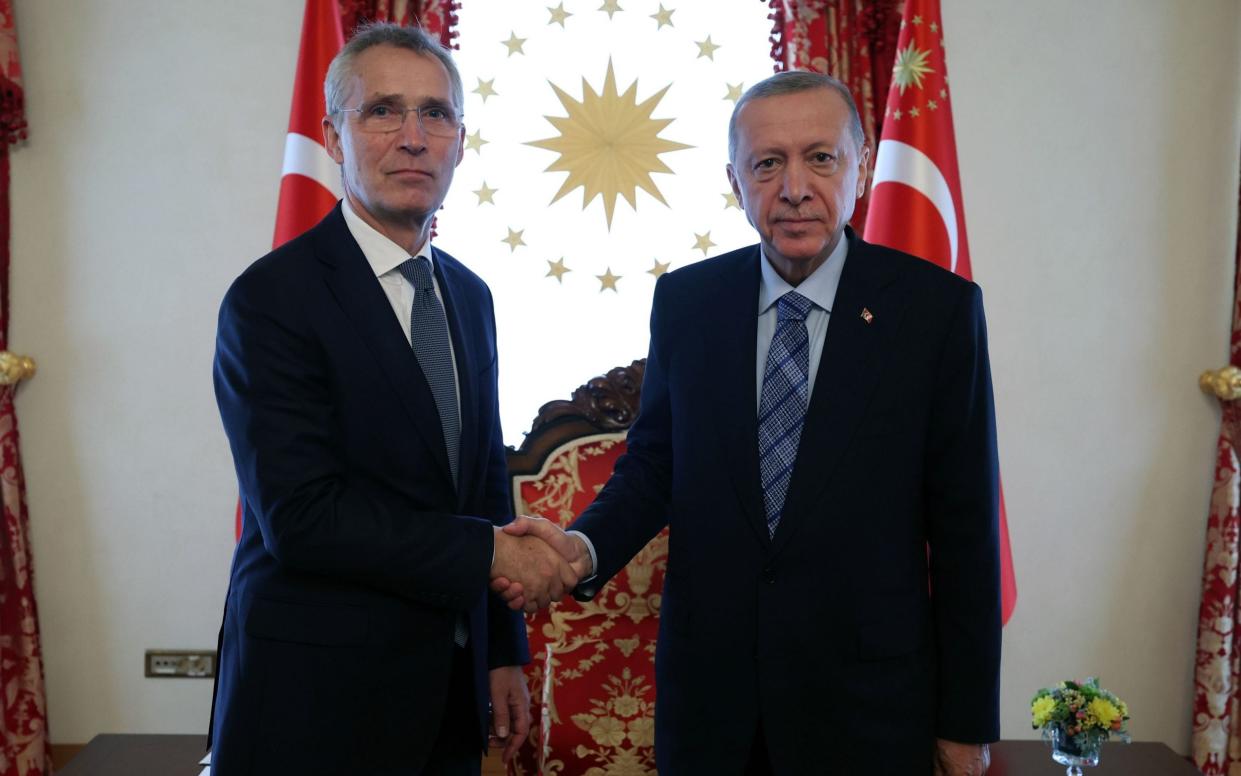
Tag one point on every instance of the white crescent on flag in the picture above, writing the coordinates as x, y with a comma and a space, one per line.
307, 157
897, 162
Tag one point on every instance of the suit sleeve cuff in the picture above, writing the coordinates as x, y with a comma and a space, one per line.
594, 559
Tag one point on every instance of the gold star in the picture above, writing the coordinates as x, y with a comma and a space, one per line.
730, 200
664, 16
734, 92
484, 89
911, 65
514, 44
943, 93
610, 7
484, 194
658, 269
514, 239
917, 20
608, 280
559, 14
915, 112
703, 242
474, 142
608, 144
897, 115
932, 104
556, 269
934, 27
706, 49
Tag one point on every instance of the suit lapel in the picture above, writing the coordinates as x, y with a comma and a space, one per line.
848, 373
356, 289
729, 349
462, 327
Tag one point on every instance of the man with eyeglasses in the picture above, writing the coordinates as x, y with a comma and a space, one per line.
356, 377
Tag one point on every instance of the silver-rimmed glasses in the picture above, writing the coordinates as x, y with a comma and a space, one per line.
383, 116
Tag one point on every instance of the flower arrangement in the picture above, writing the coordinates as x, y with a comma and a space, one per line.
1082, 713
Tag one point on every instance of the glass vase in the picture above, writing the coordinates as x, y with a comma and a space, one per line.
1073, 752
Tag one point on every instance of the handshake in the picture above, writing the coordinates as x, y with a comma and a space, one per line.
537, 563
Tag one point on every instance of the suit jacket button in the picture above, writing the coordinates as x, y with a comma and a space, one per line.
769, 575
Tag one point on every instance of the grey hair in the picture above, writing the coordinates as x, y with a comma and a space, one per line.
367, 36
793, 82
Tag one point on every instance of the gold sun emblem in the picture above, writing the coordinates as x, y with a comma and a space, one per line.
609, 144
910, 67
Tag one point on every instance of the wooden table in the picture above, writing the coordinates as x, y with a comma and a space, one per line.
1033, 758
148, 755
155, 755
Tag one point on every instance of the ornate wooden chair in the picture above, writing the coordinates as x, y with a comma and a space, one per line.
592, 681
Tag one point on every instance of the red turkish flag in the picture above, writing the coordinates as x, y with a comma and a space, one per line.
915, 200
310, 179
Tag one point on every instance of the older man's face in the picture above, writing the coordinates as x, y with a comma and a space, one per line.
399, 178
797, 174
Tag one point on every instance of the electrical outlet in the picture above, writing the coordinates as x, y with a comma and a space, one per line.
195, 664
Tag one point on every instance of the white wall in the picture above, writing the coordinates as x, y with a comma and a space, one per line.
1099, 154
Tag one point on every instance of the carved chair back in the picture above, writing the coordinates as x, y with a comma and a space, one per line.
592, 681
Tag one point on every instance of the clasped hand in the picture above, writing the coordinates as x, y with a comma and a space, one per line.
536, 563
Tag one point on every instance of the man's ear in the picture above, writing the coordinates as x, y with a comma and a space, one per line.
460, 144
331, 141
732, 181
863, 162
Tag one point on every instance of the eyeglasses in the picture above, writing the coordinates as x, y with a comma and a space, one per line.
383, 116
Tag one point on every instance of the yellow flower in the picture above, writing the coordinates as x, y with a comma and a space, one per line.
1104, 711
1041, 710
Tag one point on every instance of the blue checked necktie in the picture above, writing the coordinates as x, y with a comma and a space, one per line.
782, 408
428, 333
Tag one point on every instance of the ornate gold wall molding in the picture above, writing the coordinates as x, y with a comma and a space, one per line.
15, 368
1224, 383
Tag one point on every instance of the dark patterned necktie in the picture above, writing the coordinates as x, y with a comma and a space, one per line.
782, 407
428, 333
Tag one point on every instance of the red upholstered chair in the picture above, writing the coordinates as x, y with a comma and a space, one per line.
592, 681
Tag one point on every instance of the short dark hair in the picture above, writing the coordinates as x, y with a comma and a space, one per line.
367, 36
792, 82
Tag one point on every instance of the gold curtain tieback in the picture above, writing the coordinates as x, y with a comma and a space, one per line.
1224, 383
15, 368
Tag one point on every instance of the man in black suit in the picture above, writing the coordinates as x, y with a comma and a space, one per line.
831, 602
356, 377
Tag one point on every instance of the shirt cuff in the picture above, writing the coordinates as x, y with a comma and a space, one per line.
594, 559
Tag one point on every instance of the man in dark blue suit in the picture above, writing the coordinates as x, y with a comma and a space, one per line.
356, 378
817, 428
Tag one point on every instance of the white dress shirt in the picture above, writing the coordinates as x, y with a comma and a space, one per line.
385, 256
819, 288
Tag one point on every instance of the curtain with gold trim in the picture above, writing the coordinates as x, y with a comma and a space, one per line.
436, 16
1217, 670
24, 748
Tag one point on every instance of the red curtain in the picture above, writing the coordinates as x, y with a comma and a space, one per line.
24, 748
853, 40
436, 16
1217, 671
